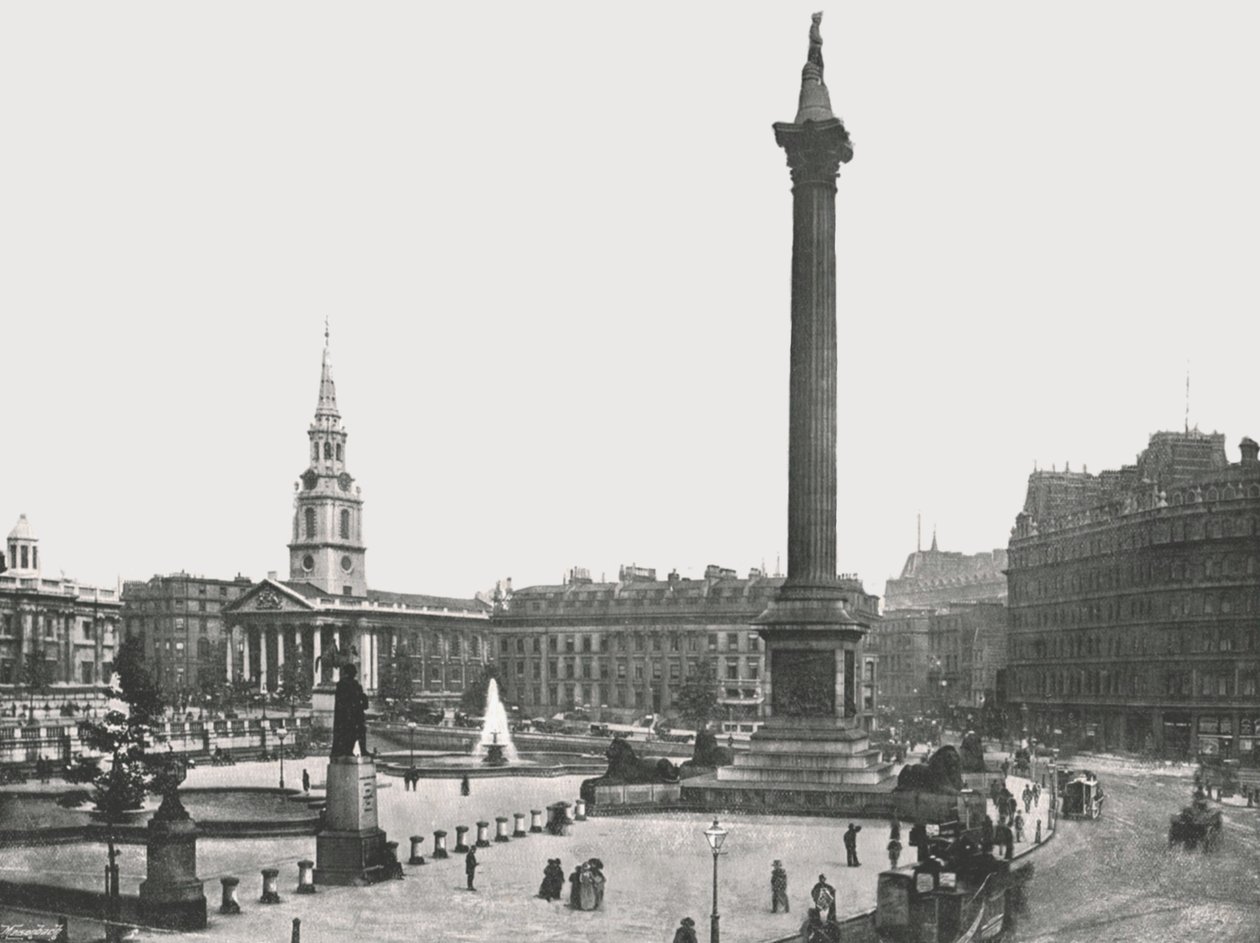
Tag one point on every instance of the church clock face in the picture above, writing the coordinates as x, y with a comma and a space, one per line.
347, 564
309, 479
344, 481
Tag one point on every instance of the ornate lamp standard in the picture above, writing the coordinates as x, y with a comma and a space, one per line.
281, 733
715, 835
411, 727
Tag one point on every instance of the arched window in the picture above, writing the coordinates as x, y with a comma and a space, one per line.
310, 523
203, 649
338, 451
327, 450
345, 524
314, 451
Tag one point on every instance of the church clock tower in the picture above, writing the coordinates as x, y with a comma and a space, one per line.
327, 550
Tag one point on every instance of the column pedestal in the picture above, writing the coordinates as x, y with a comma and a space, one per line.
351, 847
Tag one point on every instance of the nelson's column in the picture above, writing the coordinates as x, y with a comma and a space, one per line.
811, 752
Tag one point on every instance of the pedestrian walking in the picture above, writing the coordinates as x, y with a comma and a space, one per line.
306, 781
778, 888
1019, 826
1038, 837
464, 787
1036, 794
1027, 797
553, 880
986, 835
470, 866
894, 852
686, 932
850, 845
894, 829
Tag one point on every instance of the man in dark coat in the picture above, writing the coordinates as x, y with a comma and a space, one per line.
986, 835
850, 845
306, 781
470, 866
464, 787
686, 932
349, 715
778, 888
919, 839
824, 896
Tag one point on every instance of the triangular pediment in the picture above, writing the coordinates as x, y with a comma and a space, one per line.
270, 596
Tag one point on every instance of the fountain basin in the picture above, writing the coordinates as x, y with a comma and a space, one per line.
434, 765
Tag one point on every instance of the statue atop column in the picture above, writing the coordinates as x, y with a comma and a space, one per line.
349, 714
815, 42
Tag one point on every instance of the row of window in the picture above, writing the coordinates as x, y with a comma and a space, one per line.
1132, 681
50, 626
732, 669
343, 524
629, 641
1129, 642
329, 451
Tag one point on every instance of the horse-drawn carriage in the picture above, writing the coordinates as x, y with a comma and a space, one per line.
1196, 825
1082, 797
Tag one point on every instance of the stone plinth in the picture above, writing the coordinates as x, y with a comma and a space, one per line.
172, 897
351, 847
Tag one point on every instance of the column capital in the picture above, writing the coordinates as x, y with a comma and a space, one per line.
815, 149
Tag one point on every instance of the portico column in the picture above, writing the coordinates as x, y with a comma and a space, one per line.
337, 646
362, 636
297, 643
245, 634
231, 632
279, 650
317, 634
262, 659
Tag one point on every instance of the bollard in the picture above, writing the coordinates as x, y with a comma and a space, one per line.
461, 842
1037, 840
439, 843
500, 828
483, 834
270, 894
579, 811
416, 857
535, 820
306, 877
229, 905
518, 828
296, 935
393, 867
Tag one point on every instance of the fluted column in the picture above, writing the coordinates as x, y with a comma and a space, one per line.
317, 652
227, 645
814, 152
262, 658
248, 674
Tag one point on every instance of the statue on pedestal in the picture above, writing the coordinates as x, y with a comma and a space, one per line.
349, 715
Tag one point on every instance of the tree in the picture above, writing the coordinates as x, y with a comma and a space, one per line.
123, 735
473, 700
36, 677
397, 684
696, 699
295, 682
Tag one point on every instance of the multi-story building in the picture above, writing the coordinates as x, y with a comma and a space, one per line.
326, 605
933, 578
625, 648
72, 628
1134, 600
180, 619
942, 640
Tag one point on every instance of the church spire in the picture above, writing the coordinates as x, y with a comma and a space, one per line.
327, 406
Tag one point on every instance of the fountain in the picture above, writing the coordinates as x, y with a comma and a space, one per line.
495, 748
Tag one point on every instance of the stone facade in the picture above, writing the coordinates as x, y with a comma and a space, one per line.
1134, 596
74, 627
934, 578
625, 647
180, 619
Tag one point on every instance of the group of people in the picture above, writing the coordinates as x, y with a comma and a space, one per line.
586, 883
410, 778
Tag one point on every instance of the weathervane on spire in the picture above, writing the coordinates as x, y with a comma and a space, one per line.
325, 330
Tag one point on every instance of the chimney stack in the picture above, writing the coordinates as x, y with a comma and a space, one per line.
1249, 450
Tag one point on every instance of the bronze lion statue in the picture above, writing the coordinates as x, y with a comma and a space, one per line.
942, 773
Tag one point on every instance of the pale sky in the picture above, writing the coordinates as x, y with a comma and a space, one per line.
553, 243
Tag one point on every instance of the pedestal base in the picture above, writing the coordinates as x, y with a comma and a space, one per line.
350, 858
172, 897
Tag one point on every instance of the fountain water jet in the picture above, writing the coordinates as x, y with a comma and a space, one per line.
495, 746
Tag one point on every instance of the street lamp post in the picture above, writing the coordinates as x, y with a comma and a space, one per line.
715, 835
281, 733
411, 727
